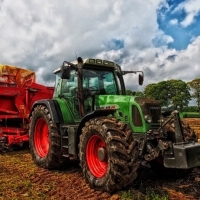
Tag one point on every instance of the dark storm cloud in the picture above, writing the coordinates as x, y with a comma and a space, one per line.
48, 76
148, 72
171, 57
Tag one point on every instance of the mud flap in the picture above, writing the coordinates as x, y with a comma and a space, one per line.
183, 156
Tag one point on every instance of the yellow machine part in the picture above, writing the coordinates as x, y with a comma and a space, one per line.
13, 75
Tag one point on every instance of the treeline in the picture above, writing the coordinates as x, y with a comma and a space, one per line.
173, 93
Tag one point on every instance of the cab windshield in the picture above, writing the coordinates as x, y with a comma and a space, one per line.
97, 81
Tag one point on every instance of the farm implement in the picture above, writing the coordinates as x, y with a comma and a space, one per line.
18, 92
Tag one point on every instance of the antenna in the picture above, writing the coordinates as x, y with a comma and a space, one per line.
76, 55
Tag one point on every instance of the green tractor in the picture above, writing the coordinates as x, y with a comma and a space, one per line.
91, 119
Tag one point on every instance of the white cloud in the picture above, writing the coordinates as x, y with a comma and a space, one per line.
192, 9
188, 20
171, 64
40, 35
161, 39
37, 34
173, 22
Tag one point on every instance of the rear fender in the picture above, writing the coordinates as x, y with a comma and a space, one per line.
53, 108
96, 113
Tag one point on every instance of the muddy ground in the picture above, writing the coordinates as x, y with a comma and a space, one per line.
21, 179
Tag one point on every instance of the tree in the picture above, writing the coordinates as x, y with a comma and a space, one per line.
139, 94
164, 96
179, 93
150, 91
129, 93
175, 92
195, 86
159, 91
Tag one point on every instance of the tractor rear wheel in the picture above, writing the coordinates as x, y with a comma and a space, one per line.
108, 154
45, 139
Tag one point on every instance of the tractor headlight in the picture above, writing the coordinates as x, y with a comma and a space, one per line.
162, 119
148, 119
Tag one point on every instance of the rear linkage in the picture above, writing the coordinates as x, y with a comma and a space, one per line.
155, 142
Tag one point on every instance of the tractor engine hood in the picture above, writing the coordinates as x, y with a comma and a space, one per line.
124, 106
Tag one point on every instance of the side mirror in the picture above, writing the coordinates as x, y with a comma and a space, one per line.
141, 79
65, 71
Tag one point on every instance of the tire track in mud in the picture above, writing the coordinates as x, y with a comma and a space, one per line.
21, 179
182, 188
68, 184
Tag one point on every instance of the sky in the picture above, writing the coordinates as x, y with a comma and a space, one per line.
159, 37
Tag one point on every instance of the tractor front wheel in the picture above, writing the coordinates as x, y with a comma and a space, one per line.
108, 154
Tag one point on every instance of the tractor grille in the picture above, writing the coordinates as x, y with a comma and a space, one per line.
150, 107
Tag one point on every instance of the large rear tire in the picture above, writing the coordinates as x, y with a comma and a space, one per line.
45, 139
108, 154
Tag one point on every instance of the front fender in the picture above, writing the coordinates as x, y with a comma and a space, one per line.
96, 113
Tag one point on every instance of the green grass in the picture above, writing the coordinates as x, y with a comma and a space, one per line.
150, 195
189, 115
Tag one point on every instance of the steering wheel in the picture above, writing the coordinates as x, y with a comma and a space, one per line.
87, 92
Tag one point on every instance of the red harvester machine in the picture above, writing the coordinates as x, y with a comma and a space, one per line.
18, 91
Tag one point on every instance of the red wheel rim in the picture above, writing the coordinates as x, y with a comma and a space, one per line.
41, 138
98, 167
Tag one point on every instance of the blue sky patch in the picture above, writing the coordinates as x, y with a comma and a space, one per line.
169, 22
114, 44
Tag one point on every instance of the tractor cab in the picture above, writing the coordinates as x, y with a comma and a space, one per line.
80, 81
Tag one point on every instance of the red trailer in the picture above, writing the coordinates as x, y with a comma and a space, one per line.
18, 91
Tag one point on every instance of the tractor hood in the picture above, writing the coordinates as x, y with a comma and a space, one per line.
120, 103
132, 109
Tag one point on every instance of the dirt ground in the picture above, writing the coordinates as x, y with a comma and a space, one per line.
21, 179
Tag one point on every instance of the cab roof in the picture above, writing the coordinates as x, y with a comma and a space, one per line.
92, 61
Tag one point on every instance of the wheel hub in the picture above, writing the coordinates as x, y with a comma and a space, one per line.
101, 153
97, 156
